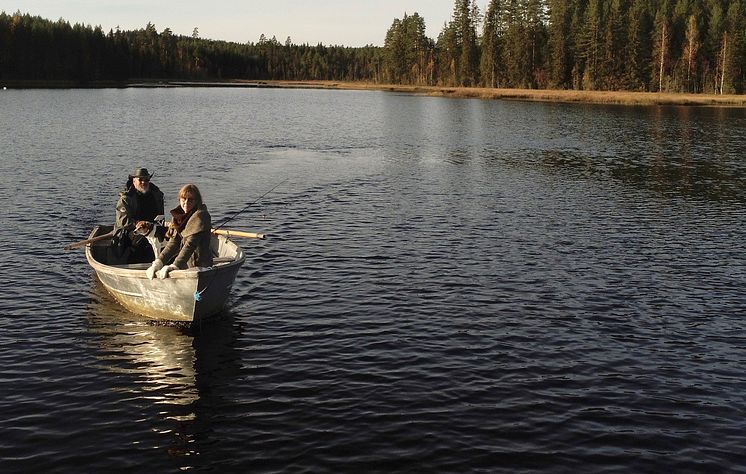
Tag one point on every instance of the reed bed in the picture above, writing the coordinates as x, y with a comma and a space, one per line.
544, 95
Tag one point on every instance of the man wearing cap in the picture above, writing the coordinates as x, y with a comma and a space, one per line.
139, 201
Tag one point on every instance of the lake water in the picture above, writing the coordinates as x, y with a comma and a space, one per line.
448, 285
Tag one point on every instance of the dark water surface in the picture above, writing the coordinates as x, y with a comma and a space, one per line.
447, 286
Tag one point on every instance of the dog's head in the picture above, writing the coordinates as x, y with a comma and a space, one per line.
143, 227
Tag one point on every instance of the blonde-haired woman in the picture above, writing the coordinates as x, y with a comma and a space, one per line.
188, 236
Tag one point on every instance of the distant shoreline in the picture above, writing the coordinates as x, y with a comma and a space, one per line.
542, 95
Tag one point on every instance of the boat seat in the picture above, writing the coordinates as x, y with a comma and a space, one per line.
144, 266
133, 266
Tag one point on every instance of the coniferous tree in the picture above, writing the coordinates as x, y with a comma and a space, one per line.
613, 53
661, 46
408, 52
465, 18
514, 53
733, 41
638, 47
418, 51
713, 45
492, 44
5, 38
560, 43
447, 54
689, 54
590, 45
536, 41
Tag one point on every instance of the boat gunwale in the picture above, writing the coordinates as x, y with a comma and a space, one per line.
189, 273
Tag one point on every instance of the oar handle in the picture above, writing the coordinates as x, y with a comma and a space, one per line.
233, 233
238, 233
90, 241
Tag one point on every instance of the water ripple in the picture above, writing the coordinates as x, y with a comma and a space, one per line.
557, 288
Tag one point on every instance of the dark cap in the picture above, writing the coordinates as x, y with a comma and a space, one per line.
141, 173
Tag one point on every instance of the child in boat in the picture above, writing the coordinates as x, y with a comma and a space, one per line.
188, 236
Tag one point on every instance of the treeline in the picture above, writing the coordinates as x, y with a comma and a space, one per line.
635, 45
638, 45
33, 48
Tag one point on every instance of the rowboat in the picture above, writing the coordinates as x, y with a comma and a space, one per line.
191, 295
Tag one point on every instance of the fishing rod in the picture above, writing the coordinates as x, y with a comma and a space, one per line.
251, 204
216, 230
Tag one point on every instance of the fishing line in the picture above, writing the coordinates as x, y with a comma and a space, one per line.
198, 293
251, 204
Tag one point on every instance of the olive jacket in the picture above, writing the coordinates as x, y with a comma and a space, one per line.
191, 246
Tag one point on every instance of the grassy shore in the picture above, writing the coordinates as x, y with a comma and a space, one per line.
544, 95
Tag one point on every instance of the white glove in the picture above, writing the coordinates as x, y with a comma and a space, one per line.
154, 267
163, 272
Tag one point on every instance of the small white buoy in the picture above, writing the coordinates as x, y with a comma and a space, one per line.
5, 88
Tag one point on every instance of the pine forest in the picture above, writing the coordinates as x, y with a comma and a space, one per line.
692, 46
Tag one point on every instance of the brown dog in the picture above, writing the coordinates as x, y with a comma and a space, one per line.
143, 227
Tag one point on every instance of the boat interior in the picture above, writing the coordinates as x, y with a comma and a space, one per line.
223, 251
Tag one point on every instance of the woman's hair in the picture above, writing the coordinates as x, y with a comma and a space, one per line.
191, 189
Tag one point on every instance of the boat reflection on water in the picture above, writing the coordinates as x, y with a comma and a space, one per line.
169, 370
160, 358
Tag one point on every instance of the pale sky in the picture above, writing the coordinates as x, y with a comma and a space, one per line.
331, 22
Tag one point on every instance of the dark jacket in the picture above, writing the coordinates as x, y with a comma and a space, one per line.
133, 207
191, 246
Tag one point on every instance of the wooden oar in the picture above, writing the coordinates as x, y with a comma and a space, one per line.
225, 232
90, 241
238, 233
